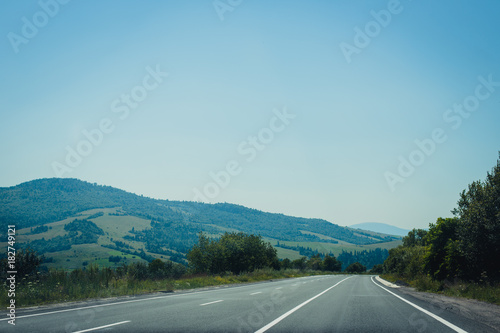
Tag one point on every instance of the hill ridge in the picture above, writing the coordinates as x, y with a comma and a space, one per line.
173, 225
51, 199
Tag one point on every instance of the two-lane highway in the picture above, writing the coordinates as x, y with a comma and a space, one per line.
332, 303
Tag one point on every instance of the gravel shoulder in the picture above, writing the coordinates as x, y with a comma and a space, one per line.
486, 313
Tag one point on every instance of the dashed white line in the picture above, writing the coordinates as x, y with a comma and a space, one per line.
441, 320
101, 327
258, 292
118, 303
221, 300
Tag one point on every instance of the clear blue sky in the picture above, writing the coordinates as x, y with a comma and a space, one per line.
362, 81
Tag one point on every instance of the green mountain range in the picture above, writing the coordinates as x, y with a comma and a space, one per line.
73, 222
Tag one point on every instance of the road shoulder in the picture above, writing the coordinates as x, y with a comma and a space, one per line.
486, 313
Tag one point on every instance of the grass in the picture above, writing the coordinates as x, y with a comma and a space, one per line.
60, 286
287, 253
482, 292
486, 293
90, 253
116, 227
386, 245
255, 276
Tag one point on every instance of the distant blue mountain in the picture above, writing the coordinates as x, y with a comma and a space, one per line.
381, 227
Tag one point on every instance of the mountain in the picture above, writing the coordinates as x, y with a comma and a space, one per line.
70, 219
381, 228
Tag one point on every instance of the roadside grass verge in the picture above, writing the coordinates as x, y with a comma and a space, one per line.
60, 286
481, 292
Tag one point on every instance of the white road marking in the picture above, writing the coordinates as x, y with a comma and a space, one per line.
124, 302
105, 326
278, 287
386, 283
221, 300
258, 292
280, 318
119, 303
441, 320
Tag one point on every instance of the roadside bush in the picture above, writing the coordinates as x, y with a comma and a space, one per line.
377, 269
355, 268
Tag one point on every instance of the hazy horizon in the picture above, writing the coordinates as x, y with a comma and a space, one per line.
382, 111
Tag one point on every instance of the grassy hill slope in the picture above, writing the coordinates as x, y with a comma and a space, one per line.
133, 227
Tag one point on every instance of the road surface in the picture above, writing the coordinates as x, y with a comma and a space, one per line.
332, 303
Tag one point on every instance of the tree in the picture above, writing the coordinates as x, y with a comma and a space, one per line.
315, 263
479, 232
442, 258
331, 264
157, 269
299, 263
198, 256
234, 252
137, 271
466, 246
377, 269
286, 263
355, 268
27, 264
406, 262
415, 237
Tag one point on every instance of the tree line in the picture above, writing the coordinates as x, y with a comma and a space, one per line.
232, 252
465, 247
240, 252
367, 258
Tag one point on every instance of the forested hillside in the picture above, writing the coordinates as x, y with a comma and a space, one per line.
74, 223
43, 201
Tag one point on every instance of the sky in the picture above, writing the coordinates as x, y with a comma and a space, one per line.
349, 111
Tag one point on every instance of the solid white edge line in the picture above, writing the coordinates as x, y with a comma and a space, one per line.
89, 307
283, 316
441, 320
118, 303
221, 300
125, 302
100, 327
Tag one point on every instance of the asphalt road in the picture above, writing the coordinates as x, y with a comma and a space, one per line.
333, 303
